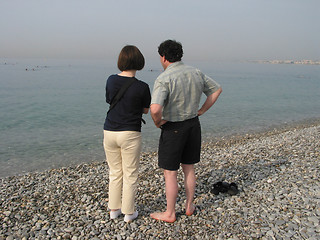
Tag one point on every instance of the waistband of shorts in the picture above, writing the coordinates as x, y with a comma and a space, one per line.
170, 125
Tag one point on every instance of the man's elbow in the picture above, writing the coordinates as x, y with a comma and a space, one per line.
155, 109
217, 93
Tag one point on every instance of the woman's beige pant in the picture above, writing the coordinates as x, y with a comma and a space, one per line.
122, 150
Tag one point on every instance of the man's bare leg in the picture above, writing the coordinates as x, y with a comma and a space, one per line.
171, 194
190, 186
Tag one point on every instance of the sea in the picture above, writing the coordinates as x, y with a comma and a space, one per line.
52, 111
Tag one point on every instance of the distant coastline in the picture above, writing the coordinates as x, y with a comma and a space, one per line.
305, 62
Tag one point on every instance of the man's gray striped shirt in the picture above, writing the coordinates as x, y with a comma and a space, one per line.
179, 88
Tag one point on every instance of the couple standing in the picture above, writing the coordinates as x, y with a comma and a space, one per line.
174, 108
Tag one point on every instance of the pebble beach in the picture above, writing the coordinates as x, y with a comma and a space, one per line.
277, 172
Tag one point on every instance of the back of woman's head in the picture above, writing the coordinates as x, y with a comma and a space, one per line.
171, 50
130, 58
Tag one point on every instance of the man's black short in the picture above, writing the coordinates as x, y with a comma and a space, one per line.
180, 142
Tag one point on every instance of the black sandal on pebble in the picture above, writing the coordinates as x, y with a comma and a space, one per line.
233, 189
216, 188
224, 187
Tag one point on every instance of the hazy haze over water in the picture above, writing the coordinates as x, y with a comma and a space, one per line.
208, 30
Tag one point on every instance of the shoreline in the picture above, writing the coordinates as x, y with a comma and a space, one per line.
268, 131
277, 172
303, 62
217, 139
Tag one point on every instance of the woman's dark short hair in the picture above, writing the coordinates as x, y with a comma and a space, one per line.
171, 50
130, 58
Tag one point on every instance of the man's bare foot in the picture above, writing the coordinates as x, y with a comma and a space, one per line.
163, 216
190, 210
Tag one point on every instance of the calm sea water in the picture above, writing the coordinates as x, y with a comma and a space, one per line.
52, 112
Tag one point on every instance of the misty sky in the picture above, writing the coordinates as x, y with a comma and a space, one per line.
208, 29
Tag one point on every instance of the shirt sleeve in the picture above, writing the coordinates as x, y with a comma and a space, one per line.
147, 97
159, 93
210, 85
107, 93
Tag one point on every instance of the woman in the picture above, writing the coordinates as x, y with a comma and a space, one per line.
122, 133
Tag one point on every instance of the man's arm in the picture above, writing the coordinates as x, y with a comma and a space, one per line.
211, 99
156, 114
145, 110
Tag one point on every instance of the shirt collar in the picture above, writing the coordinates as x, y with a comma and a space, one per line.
172, 65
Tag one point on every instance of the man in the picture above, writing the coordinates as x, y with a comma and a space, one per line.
175, 109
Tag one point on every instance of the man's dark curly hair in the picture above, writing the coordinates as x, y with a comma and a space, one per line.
171, 50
